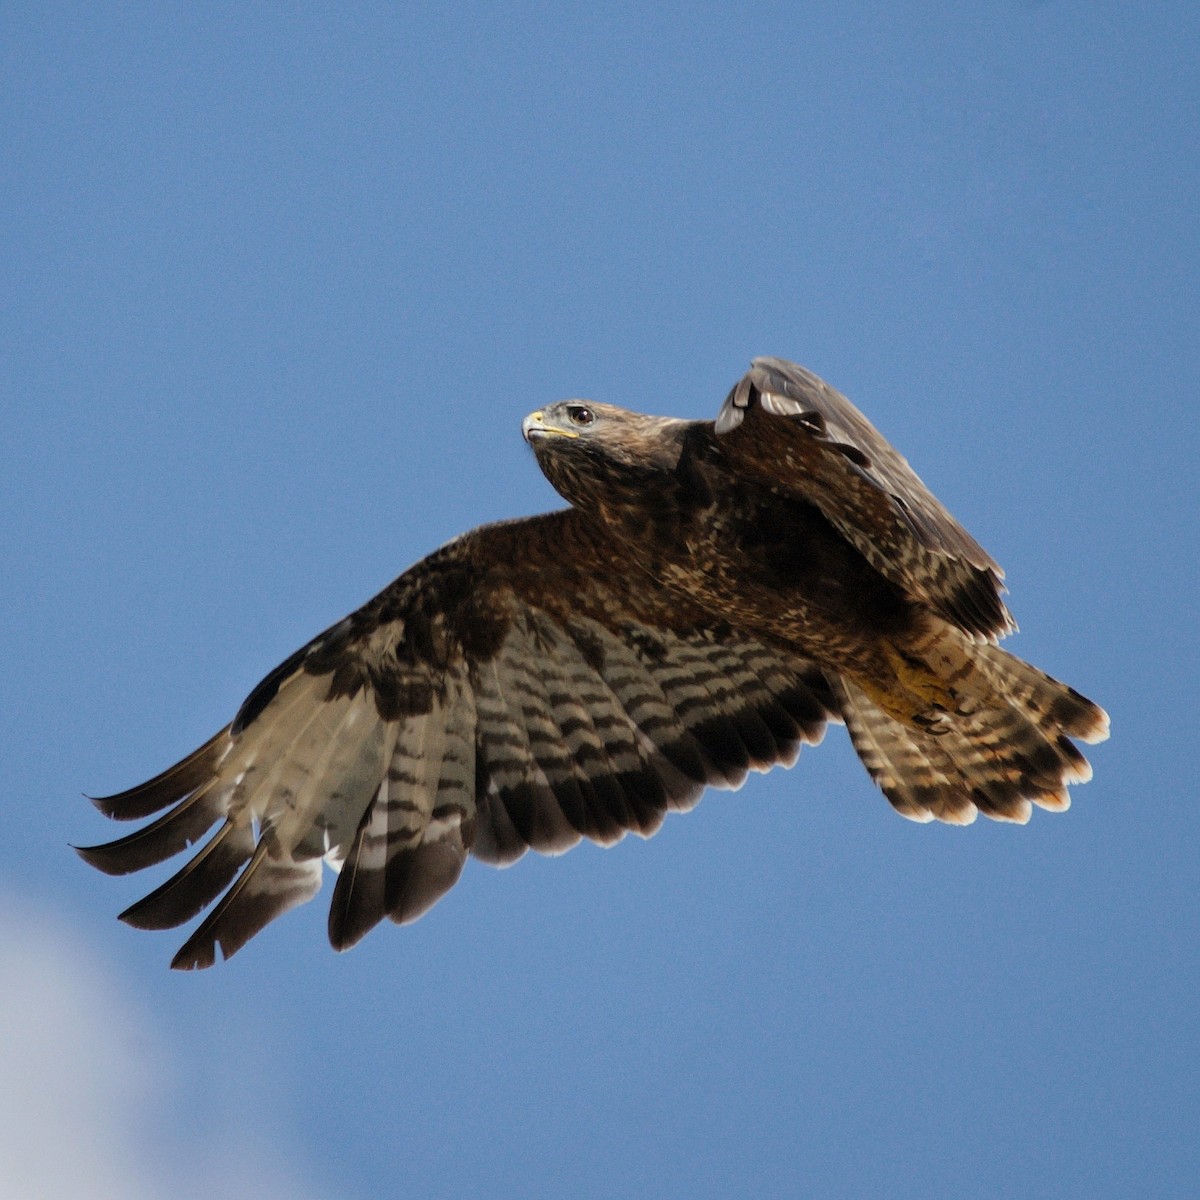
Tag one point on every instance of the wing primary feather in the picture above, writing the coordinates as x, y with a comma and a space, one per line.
415, 823
265, 889
171, 785
198, 883
174, 831
358, 902
413, 840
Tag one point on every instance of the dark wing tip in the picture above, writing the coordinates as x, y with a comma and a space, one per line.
171, 833
96, 856
196, 884
173, 784
112, 858
265, 889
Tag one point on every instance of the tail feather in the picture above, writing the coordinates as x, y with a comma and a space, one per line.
1006, 749
1060, 709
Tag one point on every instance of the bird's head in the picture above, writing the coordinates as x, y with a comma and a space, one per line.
596, 454
571, 419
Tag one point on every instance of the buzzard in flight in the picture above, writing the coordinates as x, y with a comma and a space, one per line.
716, 593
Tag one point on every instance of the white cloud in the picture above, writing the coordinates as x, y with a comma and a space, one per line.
85, 1075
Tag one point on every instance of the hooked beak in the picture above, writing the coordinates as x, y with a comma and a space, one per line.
534, 426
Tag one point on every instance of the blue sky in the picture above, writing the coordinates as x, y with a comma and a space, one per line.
279, 284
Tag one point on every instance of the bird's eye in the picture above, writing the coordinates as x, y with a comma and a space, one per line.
580, 414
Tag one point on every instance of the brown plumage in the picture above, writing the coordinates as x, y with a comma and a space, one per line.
716, 594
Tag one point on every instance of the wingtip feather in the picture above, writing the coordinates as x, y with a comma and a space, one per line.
169, 786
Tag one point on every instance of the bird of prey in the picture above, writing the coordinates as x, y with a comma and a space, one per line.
713, 596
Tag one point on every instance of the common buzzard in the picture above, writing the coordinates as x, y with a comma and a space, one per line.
716, 593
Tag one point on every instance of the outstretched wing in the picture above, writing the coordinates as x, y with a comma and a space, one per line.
784, 427
518, 689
